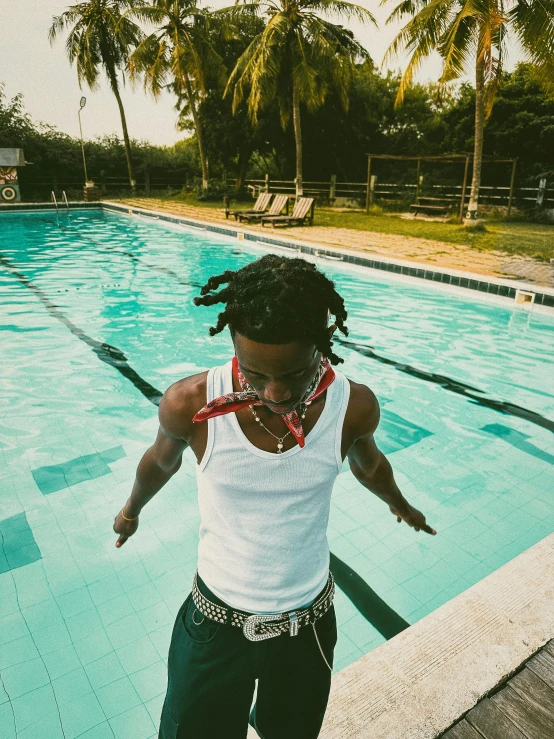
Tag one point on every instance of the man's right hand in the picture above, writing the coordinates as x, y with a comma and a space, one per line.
124, 528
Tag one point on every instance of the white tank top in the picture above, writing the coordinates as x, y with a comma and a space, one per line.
263, 534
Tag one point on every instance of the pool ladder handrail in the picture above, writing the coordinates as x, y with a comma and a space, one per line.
65, 199
53, 199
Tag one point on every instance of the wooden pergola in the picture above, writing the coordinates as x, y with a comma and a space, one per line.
444, 159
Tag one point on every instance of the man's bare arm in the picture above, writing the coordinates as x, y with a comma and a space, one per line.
160, 462
370, 466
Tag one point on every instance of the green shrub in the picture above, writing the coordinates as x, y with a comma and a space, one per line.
215, 191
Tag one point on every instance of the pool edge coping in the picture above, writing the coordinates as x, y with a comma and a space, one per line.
407, 687
495, 286
420, 682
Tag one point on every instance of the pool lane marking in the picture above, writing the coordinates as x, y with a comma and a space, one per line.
454, 386
133, 257
368, 603
105, 352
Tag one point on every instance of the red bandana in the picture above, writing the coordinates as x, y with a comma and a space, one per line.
232, 402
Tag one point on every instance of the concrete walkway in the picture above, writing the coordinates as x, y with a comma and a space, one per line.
419, 683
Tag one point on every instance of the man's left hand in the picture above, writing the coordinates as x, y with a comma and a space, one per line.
413, 518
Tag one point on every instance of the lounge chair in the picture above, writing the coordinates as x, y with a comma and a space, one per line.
279, 202
260, 206
303, 209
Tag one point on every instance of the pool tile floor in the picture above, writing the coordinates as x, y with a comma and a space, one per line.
85, 627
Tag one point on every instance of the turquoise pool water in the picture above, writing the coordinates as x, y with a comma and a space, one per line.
97, 319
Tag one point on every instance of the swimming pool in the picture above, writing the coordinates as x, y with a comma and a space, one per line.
97, 321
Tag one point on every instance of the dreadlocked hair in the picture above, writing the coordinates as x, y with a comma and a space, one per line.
277, 300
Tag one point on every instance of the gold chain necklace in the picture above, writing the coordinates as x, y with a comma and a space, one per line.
280, 439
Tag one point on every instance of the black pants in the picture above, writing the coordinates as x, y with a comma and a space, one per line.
212, 669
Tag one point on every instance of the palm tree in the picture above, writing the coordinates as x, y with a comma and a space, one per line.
472, 33
178, 55
100, 36
298, 57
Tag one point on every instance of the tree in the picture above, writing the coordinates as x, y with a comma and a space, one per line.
101, 36
372, 124
521, 125
472, 32
296, 59
230, 139
55, 158
178, 55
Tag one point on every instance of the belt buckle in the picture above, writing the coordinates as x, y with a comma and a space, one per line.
249, 626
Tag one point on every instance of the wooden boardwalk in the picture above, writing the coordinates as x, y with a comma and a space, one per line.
522, 708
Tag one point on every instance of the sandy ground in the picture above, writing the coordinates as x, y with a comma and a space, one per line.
425, 251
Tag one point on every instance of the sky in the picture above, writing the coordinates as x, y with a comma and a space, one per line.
30, 65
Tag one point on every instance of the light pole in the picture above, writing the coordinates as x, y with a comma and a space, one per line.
82, 104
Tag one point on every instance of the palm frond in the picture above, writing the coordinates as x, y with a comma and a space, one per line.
150, 58
333, 52
407, 7
458, 44
429, 25
257, 70
146, 13
297, 48
63, 21
533, 23
341, 9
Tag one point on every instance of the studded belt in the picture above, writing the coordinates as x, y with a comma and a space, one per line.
257, 626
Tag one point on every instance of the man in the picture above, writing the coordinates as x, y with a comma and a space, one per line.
269, 431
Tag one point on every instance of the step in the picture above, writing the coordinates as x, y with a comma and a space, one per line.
440, 200
418, 206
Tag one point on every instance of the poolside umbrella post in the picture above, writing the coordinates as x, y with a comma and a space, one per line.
512, 186
368, 189
464, 189
82, 104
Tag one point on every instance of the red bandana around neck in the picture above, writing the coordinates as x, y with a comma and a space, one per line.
232, 402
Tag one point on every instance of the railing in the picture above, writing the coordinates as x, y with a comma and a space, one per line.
65, 199
41, 188
53, 199
331, 191
357, 191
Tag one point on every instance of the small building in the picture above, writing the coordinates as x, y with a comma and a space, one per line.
10, 160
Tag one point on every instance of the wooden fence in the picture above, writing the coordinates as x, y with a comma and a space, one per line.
329, 191
42, 188
336, 192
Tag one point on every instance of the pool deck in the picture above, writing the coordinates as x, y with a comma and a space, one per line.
425, 679
453, 280
521, 709
429, 252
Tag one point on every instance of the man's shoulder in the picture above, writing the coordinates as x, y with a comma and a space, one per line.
363, 411
180, 402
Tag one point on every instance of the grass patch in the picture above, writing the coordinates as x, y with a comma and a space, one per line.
526, 239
